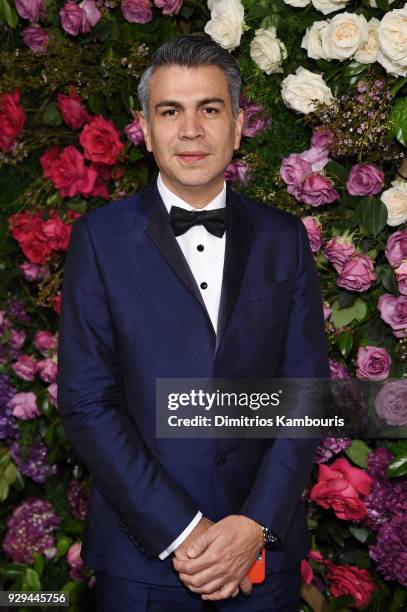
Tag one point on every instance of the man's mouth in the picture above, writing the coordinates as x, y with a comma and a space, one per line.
192, 156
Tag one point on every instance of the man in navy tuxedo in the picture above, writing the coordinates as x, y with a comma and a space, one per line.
188, 279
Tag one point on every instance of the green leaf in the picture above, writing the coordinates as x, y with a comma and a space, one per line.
10, 473
387, 277
358, 452
51, 116
399, 598
95, 104
338, 172
398, 467
383, 4
345, 343
360, 533
373, 215
399, 119
353, 69
38, 563
8, 14
32, 579
344, 316
62, 546
4, 488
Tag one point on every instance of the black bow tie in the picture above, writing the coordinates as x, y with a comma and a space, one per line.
213, 220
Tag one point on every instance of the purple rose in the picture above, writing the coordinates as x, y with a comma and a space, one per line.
317, 158
137, 11
37, 39
396, 248
71, 18
373, 363
47, 370
90, 15
393, 311
314, 231
327, 310
401, 276
25, 367
17, 339
337, 369
294, 169
357, 273
237, 171
391, 403
316, 190
321, 137
338, 251
134, 132
254, 120
52, 390
45, 342
34, 272
169, 7
24, 405
365, 180
30, 9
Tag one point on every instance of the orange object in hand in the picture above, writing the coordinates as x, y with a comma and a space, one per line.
257, 572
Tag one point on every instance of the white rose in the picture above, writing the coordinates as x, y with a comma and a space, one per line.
395, 200
390, 66
300, 91
343, 36
393, 41
368, 53
329, 6
297, 3
267, 50
373, 3
226, 24
312, 40
211, 4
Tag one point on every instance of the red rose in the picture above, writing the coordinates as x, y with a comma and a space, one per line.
71, 215
12, 119
57, 232
339, 486
103, 176
47, 159
100, 141
350, 580
73, 112
306, 572
70, 175
57, 303
28, 230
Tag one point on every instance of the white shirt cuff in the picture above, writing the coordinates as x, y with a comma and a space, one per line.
165, 553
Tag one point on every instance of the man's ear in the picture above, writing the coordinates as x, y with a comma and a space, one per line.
238, 128
146, 130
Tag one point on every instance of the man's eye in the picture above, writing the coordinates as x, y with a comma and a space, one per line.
210, 110
171, 112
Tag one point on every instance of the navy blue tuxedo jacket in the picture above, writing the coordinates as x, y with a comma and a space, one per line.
132, 312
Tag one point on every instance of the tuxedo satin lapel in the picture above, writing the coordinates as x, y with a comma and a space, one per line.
238, 240
159, 229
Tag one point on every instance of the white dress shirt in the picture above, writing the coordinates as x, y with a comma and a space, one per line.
207, 267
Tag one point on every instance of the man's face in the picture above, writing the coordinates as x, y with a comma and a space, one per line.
192, 132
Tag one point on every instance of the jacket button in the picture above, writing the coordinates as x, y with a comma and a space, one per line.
220, 459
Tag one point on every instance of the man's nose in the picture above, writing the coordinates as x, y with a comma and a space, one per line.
191, 126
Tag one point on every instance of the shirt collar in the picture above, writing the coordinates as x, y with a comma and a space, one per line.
171, 199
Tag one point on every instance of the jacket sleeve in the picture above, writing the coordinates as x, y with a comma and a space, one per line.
104, 438
286, 467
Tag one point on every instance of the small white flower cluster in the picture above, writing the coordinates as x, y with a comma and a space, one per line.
351, 36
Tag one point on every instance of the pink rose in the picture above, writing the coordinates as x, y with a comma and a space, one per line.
393, 311
17, 339
237, 171
314, 231
373, 363
338, 370
30, 9
36, 38
137, 11
396, 248
44, 341
71, 18
134, 132
52, 390
365, 180
316, 190
90, 15
72, 110
318, 158
47, 370
391, 403
73, 556
254, 120
294, 169
306, 572
24, 406
327, 310
339, 486
321, 137
25, 367
350, 580
401, 276
33, 271
339, 250
357, 273
169, 7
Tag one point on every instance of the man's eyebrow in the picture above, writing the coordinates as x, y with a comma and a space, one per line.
176, 104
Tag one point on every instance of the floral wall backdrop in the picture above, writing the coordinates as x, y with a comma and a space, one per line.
324, 138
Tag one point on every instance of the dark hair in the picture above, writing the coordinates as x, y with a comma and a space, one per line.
198, 50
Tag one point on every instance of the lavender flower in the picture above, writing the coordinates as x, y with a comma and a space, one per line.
78, 499
29, 530
8, 423
389, 552
330, 447
34, 463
